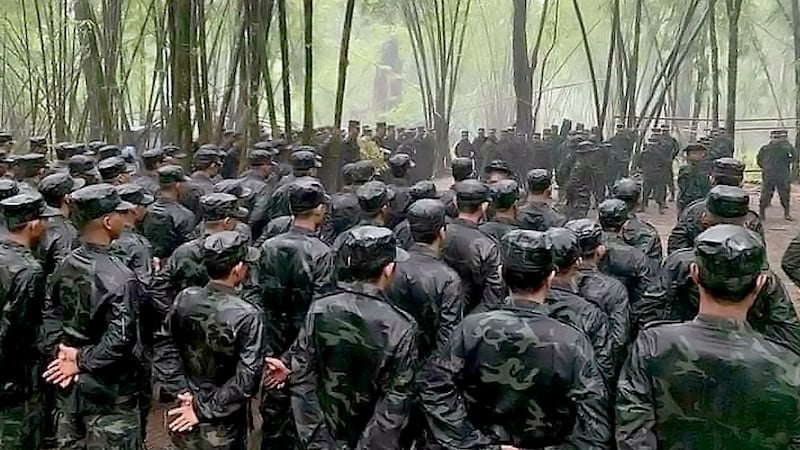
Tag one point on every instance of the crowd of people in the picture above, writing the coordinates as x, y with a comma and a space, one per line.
386, 313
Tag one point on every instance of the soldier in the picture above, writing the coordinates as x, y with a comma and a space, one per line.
603, 291
8, 188
353, 363
636, 232
693, 181
83, 166
488, 150
538, 213
463, 148
671, 149
61, 236
399, 183
93, 147
260, 179
474, 398
566, 161
153, 159
173, 155
230, 154
477, 147
462, 169
654, 165
721, 144
775, 160
351, 151
29, 170
4, 162
497, 170
114, 171
6, 142
661, 404
726, 172
212, 324
343, 211
504, 195
21, 301
93, 328
235, 188
620, 154
132, 246
622, 261
38, 144
206, 164
64, 151
581, 181
108, 151
168, 223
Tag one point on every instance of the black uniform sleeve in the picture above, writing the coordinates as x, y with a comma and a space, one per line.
452, 311
635, 407
592, 428
167, 364
489, 278
791, 261
120, 336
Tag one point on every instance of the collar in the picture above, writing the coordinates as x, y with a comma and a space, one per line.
201, 175
426, 250
505, 220
302, 231
95, 247
215, 286
722, 323
565, 285
363, 288
516, 304
466, 223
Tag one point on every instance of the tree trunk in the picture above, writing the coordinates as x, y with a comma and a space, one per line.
734, 8
714, 46
589, 60
269, 6
701, 62
344, 51
308, 95
633, 72
180, 31
287, 93
100, 116
523, 79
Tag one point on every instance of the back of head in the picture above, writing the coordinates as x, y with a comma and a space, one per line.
504, 194
462, 169
627, 190
365, 251
372, 197
225, 250
589, 234
727, 171
729, 260
422, 189
726, 205
305, 195
527, 260
426, 219
565, 247
612, 214
538, 181
470, 195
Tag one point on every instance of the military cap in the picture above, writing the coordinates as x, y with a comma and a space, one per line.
226, 249
626, 189
612, 213
547, 131
426, 215
134, 194
698, 147
37, 141
729, 257
728, 201
108, 151
373, 196
8, 188
54, 187
462, 167
233, 187
305, 194
504, 193
173, 151
82, 165
369, 248
205, 156
422, 189
61, 150
565, 247
728, 167
5, 137
31, 161
95, 146
498, 165
481, 130
538, 180
471, 192
95, 201
588, 232
401, 160
354, 124
171, 174
264, 145
464, 132
153, 155
218, 206
110, 168
71, 149
304, 160
380, 124
527, 252
23, 208
362, 171
586, 147
261, 158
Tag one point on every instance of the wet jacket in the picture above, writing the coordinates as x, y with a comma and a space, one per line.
516, 376
148, 183
776, 158
790, 262
212, 345
201, 184
708, 383
22, 289
498, 227
644, 237
537, 216
343, 213
168, 225
693, 184
136, 252
689, 226
259, 187
631, 267
476, 259
431, 292
353, 368
59, 240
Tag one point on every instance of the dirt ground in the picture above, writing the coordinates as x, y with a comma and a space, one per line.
778, 232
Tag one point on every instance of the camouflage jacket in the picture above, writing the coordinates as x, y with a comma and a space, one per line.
536, 216
59, 240
776, 158
631, 267
148, 183
343, 213
675, 296
476, 259
294, 267
211, 345
22, 288
498, 227
353, 368
168, 225
516, 376
709, 383
430, 291
690, 225
790, 262
185, 268
137, 253
644, 237
693, 184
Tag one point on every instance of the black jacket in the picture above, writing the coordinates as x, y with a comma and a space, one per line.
631, 267
537, 216
168, 225
498, 227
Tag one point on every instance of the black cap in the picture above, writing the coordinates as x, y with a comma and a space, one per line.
278, 225
111, 168
218, 206
134, 194
23, 208
504, 194
697, 147
305, 194
422, 189
5, 137
153, 155
586, 147
173, 151
170, 175
401, 160
566, 249
626, 189
369, 248
728, 169
54, 187
37, 140
426, 215
729, 257
362, 171
538, 180
8, 188
373, 196
95, 201
66, 150
304, 160
612, 213
30, 164
108, 151
728, 202
82, 165
498, 165
223, 250
233, 187
462, 168
95, 146
261, 158
588, 232
471, 192
527, 252
205, 156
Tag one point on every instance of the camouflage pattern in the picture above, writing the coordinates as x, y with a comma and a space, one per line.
580, 185
136, 252
690, 225
536, 216
693, 185
515, 376
632, 268
655, 165
641, 235
790, 262
476, 259
498, 227
184, 268
709, 383
775, 160
22, 290
353, 369
619, 156
168, 225
212, 346
117, 428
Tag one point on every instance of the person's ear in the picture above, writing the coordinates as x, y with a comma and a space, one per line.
600, 251
442, 233
106, 222
388, 270
694, 273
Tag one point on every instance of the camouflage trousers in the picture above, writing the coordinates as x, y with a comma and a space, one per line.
208, 436
278, 429
21, 424
118, 429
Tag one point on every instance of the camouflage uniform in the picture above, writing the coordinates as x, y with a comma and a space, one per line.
643, 237
775, 160
693, 184
504, 194
539, 216
168, 224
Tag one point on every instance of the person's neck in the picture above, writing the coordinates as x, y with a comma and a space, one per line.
435, 246
505, 215
470, 217
169, 194
564, 277
305, 224
537, 297
538, 198
378, 220
64, 208
97, 238
228, 282
21, 239
712, 307
589, 262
